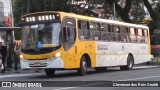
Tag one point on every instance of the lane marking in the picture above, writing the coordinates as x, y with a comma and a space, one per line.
19, 75
65, 88
139, 78
79, 86
141, 67
117, 80
105, 82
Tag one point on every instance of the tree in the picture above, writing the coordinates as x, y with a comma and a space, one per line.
137, 12
21, 8
18, 11
122, 12
157, 10
150, 10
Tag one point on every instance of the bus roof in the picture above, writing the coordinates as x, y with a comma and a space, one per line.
92, 19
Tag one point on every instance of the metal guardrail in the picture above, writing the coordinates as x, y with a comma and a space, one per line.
155, 60
155, 51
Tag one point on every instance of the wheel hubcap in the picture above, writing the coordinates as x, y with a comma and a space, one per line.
84, 66
130, 62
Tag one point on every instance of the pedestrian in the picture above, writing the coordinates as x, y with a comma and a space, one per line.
1, 65
3, 52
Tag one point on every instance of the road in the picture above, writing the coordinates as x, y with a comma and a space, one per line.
97, 80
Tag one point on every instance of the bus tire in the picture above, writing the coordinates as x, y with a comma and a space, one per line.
50, 72
147, 63
101, 69
130, 63
83, 67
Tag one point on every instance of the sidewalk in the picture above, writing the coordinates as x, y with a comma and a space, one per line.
20, 71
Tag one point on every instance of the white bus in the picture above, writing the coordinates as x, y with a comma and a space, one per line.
78, 42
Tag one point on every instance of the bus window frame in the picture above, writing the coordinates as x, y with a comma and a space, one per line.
93, 32
145, 35
83, 30
107, 38
124, 34
115, 34
133, 35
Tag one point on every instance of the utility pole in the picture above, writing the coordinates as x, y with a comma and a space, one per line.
28, 6
114, 11
13, 37
11, 6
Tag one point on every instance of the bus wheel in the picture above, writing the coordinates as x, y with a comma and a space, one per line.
83, 67
101, 69
147, 63
130, 63
50, 72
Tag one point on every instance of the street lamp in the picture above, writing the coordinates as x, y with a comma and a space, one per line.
114, 8
114, 11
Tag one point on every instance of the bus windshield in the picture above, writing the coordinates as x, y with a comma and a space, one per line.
40, 36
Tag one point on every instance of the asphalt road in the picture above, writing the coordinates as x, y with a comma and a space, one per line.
69, 80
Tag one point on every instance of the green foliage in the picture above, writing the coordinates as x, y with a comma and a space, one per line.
155, 25
22, 7
157, 10
18, 11
137, 12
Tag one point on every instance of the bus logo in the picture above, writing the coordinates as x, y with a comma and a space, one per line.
102, 47
6, 84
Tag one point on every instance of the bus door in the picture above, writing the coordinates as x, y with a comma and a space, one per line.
69, 36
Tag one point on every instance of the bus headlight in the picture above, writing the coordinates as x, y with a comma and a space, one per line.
21, 56
58, 54
23, 59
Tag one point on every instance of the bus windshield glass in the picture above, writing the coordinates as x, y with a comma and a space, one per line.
40, 36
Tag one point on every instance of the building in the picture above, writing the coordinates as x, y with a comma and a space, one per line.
5, 17
7, 30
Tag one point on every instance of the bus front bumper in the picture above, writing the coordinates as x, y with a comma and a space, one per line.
46, 63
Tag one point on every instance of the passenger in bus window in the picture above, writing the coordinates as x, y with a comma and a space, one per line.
68, 34
47, 38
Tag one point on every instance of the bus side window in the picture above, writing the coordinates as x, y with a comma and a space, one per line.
92, 29
105, 34
83, 29
97, 32
123, 34
146, 36
133, 35
139, 36
69, 34
127, 33
115, 34
79, 24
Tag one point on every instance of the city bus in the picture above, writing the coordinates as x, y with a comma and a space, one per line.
55, 40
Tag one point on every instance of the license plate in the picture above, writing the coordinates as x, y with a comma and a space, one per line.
37, 64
